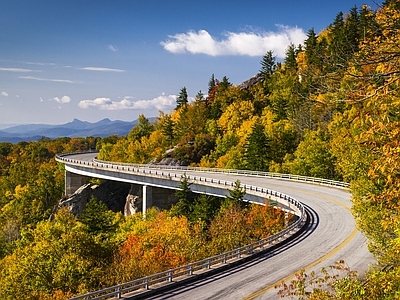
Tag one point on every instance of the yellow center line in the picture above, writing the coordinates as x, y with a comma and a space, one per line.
326, 256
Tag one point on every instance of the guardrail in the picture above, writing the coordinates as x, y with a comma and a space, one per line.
214, 261
155, 172
314, 180
144, 283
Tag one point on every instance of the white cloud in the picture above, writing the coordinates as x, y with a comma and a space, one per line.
5, 94
46, 79
113, 48
63, 99
242, 43
163, 102
19, 70
39, 63
101, 69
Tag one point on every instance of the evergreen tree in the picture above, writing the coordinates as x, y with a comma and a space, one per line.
142, 128
310, 47
257, 148
268, 64
235, 197
368, 27
97, 217
167, 128
211, 84
336, 47
182, 99
223, 84
199, 96
185, 196
352, 32
290, 58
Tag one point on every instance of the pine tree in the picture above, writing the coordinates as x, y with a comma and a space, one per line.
257, 148
211, 84
182, 99
352, 32
168, 128
235, 197
223, 84
311, 46
268, 64
199, 96
185, 196
290, 58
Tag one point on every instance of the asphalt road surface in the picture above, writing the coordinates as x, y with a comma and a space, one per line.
330, 236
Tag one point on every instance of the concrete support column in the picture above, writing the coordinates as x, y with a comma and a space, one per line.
73, 182
147, 198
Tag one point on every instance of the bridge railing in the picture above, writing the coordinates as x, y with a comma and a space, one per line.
175, 275
302, 178
314, 180
202, 266
163, 173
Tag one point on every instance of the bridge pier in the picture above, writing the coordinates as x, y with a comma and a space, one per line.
73, 182
147, 194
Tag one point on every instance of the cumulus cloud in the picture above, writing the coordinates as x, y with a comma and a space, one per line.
101, 69
242, 43
5, 94
63, 99
162, 102
48, 79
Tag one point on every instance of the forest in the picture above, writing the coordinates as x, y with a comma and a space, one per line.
330, 109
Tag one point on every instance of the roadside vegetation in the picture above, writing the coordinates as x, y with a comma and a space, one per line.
330, 109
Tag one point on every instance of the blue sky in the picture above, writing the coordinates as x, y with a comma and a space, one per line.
95, 59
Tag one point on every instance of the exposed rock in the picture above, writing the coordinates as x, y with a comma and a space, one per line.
252, 81
76, 203
113, 194
169, 161
134, 201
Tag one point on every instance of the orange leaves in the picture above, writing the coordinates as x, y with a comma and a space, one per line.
161, 245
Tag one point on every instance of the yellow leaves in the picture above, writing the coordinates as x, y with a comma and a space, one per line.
245, 129
235, 114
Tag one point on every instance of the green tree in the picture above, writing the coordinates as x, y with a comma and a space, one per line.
290, 58
235, 197
185, 196
182, 99
98, 218
56, 257
313, 157
268, 64
142, 128
211, 84
167, 128
257, 148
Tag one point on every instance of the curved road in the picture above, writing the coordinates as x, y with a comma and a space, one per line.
331, 236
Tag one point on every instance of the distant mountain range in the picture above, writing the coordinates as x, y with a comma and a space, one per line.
76, 128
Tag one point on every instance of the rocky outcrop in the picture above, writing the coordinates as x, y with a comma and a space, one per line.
169, 161
113, 194
252, 81
133, 203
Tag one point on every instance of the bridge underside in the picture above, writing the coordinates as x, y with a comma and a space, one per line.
168, 184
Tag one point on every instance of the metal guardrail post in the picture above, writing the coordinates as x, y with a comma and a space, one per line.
145, 282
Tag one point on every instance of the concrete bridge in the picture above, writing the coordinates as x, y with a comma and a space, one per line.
158, 183
330, 234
